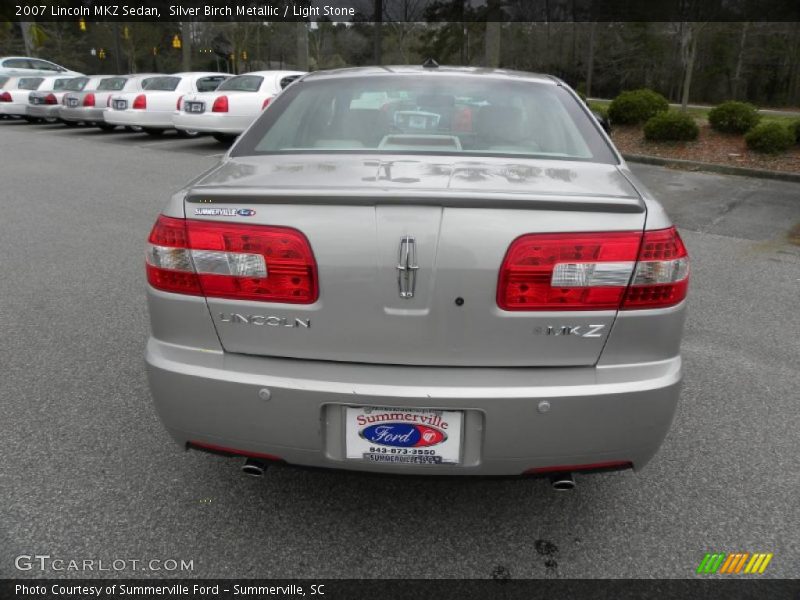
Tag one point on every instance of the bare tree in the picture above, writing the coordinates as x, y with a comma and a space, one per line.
690, 33
186, 45
302, 46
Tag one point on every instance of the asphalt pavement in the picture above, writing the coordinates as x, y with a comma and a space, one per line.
88, 473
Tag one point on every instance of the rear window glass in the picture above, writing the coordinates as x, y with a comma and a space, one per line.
481, 116
241, 83
75, 85
289, 79
112, 84
209, 84
161, 84
30, 83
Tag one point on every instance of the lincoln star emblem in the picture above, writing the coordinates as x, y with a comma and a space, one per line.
407, 266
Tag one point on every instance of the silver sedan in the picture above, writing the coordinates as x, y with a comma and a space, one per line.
419, 270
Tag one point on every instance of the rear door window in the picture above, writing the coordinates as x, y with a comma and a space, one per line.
17, 63
43, 65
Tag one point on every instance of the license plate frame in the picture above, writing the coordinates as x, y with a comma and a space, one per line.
72, 102
410, 436
195, 108
120, 104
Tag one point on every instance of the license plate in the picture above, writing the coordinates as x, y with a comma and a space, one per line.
120, 104
37, 100
73, 102
403, 435
195, 107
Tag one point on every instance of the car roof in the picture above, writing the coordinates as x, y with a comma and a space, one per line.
273, 72
440, 71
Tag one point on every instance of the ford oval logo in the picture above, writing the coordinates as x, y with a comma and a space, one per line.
403, 435
246, 212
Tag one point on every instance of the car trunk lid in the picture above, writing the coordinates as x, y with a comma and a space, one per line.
408, 253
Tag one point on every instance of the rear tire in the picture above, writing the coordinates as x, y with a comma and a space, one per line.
31, 119
106, 126
153, 132
187, 134
224, 138
69, 123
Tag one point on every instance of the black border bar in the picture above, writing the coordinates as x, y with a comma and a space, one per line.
432, 11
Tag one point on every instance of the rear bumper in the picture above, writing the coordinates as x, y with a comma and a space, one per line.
595, 414
211, 123
141, 118
43, 111
81, 114
13, 108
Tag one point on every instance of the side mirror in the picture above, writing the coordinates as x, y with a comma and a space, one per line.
605, 123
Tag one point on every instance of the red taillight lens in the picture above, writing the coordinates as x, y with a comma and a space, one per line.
5, 97
661, 277
231, 260
592, 271
266, 103
179, 103
220, 104
88, 100
50, 99
140, 102
545, 271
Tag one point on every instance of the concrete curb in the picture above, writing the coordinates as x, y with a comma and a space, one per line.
712, 167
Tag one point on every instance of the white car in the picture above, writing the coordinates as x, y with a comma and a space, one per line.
14, 97
45, 102
152, 108
27, 65
237, 102
87, 106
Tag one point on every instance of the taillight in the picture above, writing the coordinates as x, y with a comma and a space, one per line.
266, 103
220, 104
88, 100
592, 271
661, 277
231, 260
140, 102
179, 103
50, 99
5, 97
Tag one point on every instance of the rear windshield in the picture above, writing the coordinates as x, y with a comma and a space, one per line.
112, 84
289, 79
75, 85
476, 116
58, 84
30, 83
161, 84
241, 83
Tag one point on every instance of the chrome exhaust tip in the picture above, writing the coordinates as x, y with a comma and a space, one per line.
562, 482
254, 467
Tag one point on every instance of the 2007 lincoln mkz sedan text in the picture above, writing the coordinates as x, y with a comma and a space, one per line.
419, 270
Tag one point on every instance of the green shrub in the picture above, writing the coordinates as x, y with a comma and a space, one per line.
636, 106
734, 117
671, 126
771, 138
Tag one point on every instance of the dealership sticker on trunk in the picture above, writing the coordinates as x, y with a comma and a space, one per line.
403, 435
